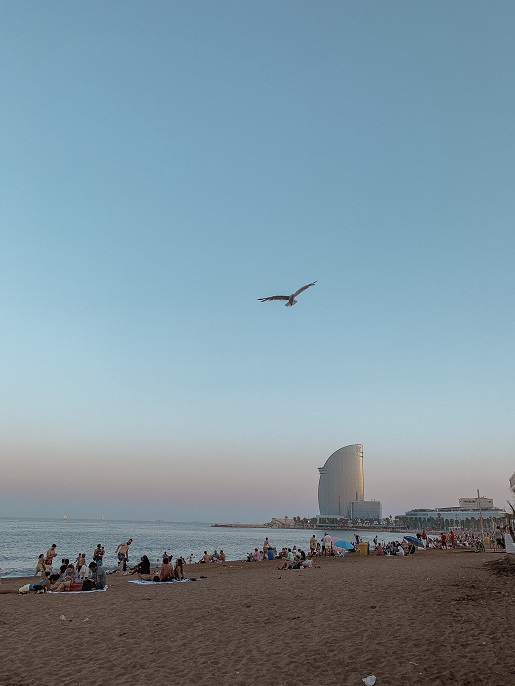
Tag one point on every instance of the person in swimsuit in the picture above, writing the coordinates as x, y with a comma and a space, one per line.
166, 571
49, 557
123, 554
40, 569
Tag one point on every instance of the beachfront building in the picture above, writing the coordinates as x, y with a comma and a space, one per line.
466, 516
512, 482
366, 510
341, 481
341, 489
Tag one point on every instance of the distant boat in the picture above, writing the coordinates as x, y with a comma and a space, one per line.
102, 518
65, 516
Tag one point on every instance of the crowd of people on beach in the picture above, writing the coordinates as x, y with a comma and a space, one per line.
81, 576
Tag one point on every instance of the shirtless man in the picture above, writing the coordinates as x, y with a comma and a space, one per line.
122, 551
49, 557
166, 570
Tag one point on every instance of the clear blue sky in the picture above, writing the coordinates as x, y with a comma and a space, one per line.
165, 164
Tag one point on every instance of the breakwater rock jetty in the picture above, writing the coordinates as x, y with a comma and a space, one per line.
243, 526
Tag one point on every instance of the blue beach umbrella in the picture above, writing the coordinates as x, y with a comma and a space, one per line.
415, 540
343, 544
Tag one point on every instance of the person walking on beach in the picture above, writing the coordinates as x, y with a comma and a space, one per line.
122, 551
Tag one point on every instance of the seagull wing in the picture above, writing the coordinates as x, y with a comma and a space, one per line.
275, 297
303, 288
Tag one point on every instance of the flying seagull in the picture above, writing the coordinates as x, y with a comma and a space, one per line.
290, 298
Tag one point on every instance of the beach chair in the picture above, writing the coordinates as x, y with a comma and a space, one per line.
510, 546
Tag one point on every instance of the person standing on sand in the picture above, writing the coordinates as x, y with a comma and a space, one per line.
98, 554
313, 544
122, 551
40, 569
326, 545
51, 553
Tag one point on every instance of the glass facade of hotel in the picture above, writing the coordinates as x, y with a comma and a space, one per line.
341, 481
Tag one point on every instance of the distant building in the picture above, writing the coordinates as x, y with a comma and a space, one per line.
472, 504
512, 482
466, 515
365, 510
341, 488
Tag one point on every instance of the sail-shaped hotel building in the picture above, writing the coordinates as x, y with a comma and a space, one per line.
341, 489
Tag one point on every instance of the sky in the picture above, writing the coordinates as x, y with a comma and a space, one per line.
165, 164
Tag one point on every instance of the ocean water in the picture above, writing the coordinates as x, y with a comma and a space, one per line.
22, 540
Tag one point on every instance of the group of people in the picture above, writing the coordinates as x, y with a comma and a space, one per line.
403, 547
168, 571
214, 557
81, 576
294, 557
69, 577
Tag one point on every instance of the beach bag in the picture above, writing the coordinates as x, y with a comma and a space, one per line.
87, 585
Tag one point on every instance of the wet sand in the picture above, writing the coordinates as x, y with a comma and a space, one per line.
438, 618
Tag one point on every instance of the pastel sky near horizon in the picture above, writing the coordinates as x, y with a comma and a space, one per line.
165, 164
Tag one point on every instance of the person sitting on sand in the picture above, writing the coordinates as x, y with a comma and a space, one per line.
65, 580
205, 557
222, 556
215, 557
379, 550
290, 559
40, 568
257, 556
179, 568
142, 569
98, 576
166, 570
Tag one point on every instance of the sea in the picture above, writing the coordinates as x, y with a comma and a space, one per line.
22, 540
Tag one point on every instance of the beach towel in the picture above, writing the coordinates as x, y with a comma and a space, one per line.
93, 590
142, 582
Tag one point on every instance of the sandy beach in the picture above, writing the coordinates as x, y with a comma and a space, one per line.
438, 617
